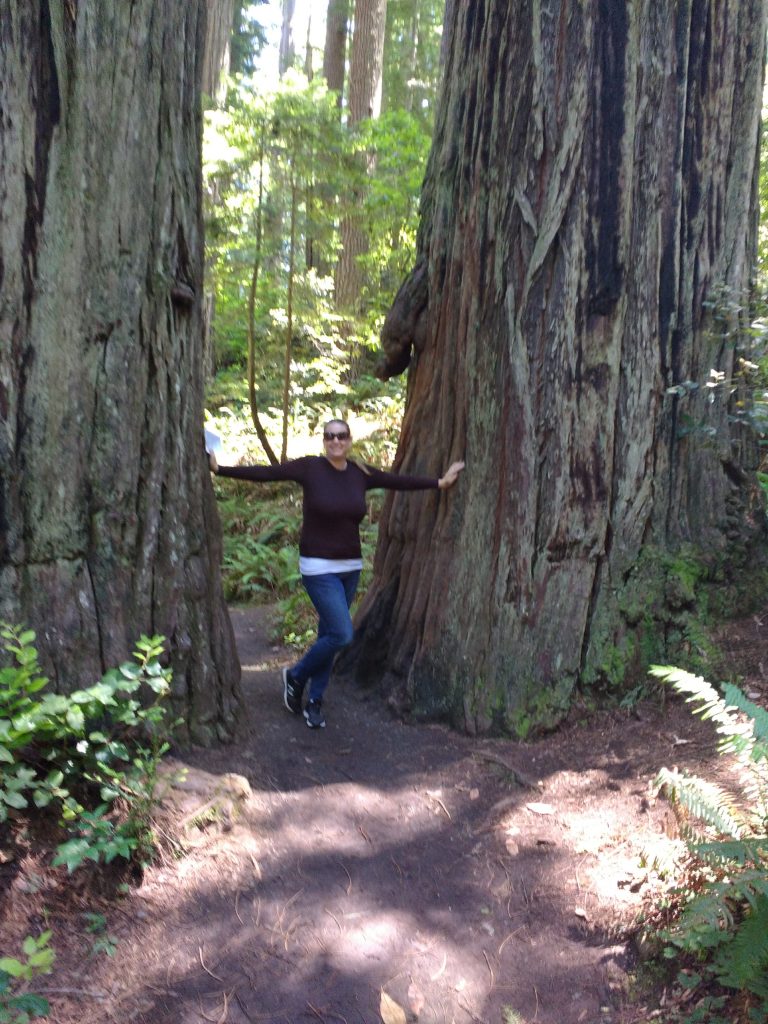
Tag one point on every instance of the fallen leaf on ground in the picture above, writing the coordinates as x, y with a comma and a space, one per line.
391, 1012
538, 808
474, 794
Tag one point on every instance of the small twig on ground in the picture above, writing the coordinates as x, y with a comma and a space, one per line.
536, 1011
434, 977
490, 969
202, 964
511, 935
237, 912
94, 994
364, 834
316, 1012
328, 912
526, 897
440, 802
399, 869
349, 887
290, 930
225, 1010
162, 991
221, 1019
281, 915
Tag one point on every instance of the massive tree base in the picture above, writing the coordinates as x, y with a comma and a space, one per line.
571, 329
108, 527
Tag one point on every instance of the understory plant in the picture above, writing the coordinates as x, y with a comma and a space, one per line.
718, 916
17, 1004
91, 756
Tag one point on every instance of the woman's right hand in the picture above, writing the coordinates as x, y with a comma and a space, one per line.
212, 463
450, 476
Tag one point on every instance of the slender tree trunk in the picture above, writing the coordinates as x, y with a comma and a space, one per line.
108, 525
287, 48
216, 60
364, 102
413, 58
289, 315
334, 54
309, 70
590, 192
367, 59
217, 39
261, 433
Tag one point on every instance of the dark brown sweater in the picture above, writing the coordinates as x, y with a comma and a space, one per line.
334, 499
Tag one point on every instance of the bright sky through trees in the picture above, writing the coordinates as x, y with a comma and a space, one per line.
270, 16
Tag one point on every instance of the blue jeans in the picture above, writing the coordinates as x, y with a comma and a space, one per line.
331, 594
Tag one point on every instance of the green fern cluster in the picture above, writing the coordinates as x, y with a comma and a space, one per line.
725, 925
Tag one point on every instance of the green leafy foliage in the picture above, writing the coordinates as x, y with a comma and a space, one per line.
412, 58
103, 942
722, 919
262, 152
60, 751
21, 1007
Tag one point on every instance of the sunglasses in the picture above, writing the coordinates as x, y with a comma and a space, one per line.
332, 435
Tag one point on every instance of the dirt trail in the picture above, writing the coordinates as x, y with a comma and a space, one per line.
375, 857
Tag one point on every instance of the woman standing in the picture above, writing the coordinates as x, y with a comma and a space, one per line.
330, 559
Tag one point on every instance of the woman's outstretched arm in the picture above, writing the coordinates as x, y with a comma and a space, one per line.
293, 470
403, 482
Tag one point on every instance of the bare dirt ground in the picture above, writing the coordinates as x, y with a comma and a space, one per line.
375, 871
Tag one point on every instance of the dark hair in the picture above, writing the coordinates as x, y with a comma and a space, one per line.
336, 420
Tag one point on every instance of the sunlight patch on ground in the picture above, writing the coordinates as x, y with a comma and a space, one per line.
364, 820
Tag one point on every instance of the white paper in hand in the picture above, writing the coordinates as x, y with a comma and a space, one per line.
212, 442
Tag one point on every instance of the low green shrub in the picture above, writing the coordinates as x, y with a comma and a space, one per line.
91, 755
21, 1007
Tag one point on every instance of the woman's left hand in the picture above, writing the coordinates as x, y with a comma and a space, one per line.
450, 476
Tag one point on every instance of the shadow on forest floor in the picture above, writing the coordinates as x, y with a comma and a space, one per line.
375, 857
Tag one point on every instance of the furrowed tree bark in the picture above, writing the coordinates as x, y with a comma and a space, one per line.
586, 241
108, 525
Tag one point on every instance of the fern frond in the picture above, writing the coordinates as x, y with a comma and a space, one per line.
750, 885
734, 851
742, 963
738, 733
706, 921
742, 703
696, 687
703, 799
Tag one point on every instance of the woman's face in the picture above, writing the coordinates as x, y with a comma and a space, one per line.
337, 439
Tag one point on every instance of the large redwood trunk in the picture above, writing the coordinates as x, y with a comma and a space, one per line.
108, 526
586, 240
